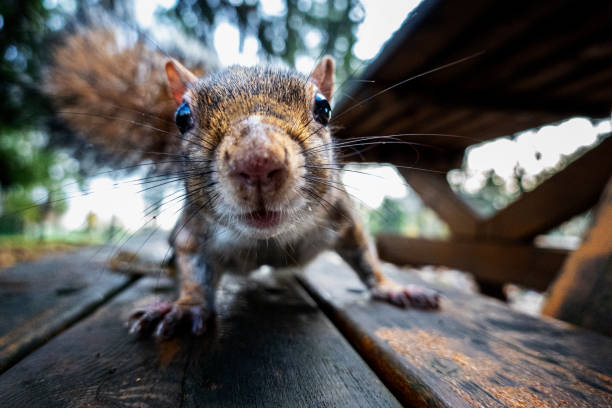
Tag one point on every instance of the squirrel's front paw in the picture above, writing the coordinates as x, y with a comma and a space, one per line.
165, 319
407, 296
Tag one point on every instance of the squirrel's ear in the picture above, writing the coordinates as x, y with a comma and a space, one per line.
323, 76
179, 79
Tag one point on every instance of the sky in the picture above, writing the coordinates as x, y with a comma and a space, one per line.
533, 150
123, 199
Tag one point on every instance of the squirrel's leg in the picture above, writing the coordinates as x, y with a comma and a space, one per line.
356, 248
195, 304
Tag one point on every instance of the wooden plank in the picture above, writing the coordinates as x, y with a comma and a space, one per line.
425, 43
437, 194
491, 262
571, 191
582, 294
269, 346
474, 352
560, 44
39, 300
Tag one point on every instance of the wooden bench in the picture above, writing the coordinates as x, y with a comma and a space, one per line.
278, 341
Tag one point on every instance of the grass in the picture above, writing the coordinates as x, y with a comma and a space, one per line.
25, 248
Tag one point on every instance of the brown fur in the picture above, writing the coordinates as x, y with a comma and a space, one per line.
258, 117
115, 95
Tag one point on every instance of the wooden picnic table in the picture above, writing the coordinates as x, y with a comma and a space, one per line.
319, 340
459, 73
280, 341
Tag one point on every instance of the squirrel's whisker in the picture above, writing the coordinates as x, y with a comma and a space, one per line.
412, 78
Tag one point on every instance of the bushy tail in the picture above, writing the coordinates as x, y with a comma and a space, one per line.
111, 89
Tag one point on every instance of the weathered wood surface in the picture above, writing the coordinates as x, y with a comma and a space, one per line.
475, 352
38, 300
582, 294
269, 346
491, 262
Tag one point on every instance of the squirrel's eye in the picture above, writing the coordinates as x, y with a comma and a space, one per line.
322, 110
183, 118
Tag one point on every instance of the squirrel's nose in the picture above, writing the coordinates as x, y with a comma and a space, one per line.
262, 167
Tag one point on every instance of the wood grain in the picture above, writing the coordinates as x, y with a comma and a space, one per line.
582, 294
269, 346
475, 352
40, 299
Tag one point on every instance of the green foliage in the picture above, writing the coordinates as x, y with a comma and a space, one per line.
23, 37
389, 217
494, 194
22, 160
8, 241
281, 36
31, 176
406, 216
26, 166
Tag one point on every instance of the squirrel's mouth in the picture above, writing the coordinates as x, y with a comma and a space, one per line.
262, 219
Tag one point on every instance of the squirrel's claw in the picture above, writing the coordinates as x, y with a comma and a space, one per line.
166, 319
168, 326
143, 320
198, 320
415, 296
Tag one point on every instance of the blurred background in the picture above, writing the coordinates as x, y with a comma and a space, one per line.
55, 194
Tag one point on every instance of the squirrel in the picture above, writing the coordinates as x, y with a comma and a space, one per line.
255, 151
